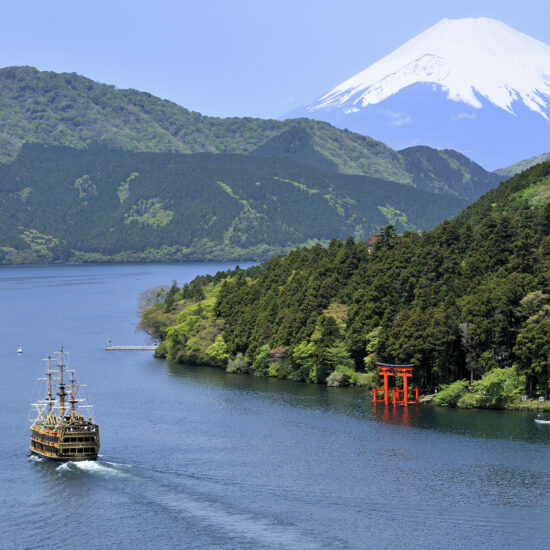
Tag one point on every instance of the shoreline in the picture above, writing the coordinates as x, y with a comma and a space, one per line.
532, 405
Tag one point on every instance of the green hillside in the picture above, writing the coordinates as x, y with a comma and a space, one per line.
99, 204
74, 111
468, 300
447, 171
518, 167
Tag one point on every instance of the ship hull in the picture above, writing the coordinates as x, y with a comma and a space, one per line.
63, 458
71, 440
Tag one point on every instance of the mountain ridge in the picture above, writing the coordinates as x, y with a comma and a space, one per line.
522, 165
432, 57
68, 109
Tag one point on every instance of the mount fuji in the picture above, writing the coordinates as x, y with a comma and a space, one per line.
473, 85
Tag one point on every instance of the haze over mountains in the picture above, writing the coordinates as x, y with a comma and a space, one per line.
473, 85
522, 165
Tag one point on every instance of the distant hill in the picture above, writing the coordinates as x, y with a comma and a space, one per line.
100, 204
518, 167
74, 111
448, 171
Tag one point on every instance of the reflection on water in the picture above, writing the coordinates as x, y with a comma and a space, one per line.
194, 457
403, 416
353, 402
356, 403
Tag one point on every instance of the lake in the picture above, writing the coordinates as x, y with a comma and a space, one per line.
192, 457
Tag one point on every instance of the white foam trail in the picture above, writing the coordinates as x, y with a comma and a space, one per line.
34, 458
90, 466
266, 532
118, 464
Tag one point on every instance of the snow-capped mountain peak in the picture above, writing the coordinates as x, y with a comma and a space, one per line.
469, 59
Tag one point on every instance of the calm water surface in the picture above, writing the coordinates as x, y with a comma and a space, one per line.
197, 458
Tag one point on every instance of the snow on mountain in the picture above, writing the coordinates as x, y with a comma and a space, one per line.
462, 56
457, 85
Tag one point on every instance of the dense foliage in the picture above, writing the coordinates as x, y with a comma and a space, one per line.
468, 300
71, 110
447, 171
98, 204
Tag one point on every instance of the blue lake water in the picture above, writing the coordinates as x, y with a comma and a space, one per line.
197, 458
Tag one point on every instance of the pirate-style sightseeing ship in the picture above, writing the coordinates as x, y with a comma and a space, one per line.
60, 431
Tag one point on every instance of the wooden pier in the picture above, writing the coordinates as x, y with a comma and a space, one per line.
124, 348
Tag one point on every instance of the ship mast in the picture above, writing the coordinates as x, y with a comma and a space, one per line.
73, 400
61, 386
50, 383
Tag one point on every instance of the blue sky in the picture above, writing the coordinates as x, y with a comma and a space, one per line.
231, 57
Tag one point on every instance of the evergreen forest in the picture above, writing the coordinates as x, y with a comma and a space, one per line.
467, 302
59, 204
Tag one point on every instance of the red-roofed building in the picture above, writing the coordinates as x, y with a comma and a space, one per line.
372, 240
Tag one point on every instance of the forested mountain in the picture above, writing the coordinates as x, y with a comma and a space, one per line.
470, 298
448, 171
518, 167
71, 110
99, 204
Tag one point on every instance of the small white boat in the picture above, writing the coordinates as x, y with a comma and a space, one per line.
19, 350
541, 421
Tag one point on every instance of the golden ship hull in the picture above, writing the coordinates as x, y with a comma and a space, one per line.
63, 434
75, 441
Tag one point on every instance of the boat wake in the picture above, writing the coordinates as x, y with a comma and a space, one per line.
541, 421
266, 532
34, 458
109, 469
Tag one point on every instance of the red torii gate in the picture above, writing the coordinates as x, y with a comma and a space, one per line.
399, 396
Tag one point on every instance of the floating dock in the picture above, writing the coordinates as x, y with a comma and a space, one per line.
124, 348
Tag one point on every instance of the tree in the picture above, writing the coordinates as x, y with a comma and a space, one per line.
152, 296
533, 352
170, 297
302, 359
469, 346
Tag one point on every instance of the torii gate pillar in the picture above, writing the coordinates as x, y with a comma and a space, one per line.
403, 371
